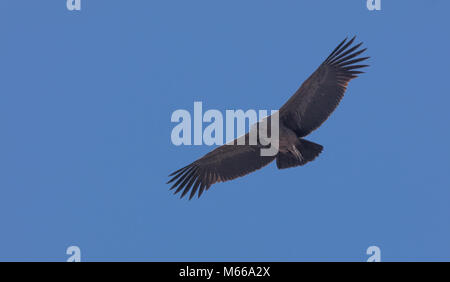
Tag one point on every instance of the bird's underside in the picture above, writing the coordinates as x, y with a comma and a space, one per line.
304, 112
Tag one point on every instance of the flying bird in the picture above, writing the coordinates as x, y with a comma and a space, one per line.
304, 112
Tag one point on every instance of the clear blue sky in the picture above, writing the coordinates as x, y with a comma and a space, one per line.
85, 105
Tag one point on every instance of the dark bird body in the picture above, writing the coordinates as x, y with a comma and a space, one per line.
304, 112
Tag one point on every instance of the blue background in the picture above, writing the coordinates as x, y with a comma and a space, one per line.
85, 105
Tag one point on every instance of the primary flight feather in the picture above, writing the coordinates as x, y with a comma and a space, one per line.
304, 112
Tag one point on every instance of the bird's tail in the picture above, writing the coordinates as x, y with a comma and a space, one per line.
304, 151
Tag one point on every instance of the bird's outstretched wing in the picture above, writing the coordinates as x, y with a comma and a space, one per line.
321, 93
225, 163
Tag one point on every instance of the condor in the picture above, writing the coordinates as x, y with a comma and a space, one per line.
304, 112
